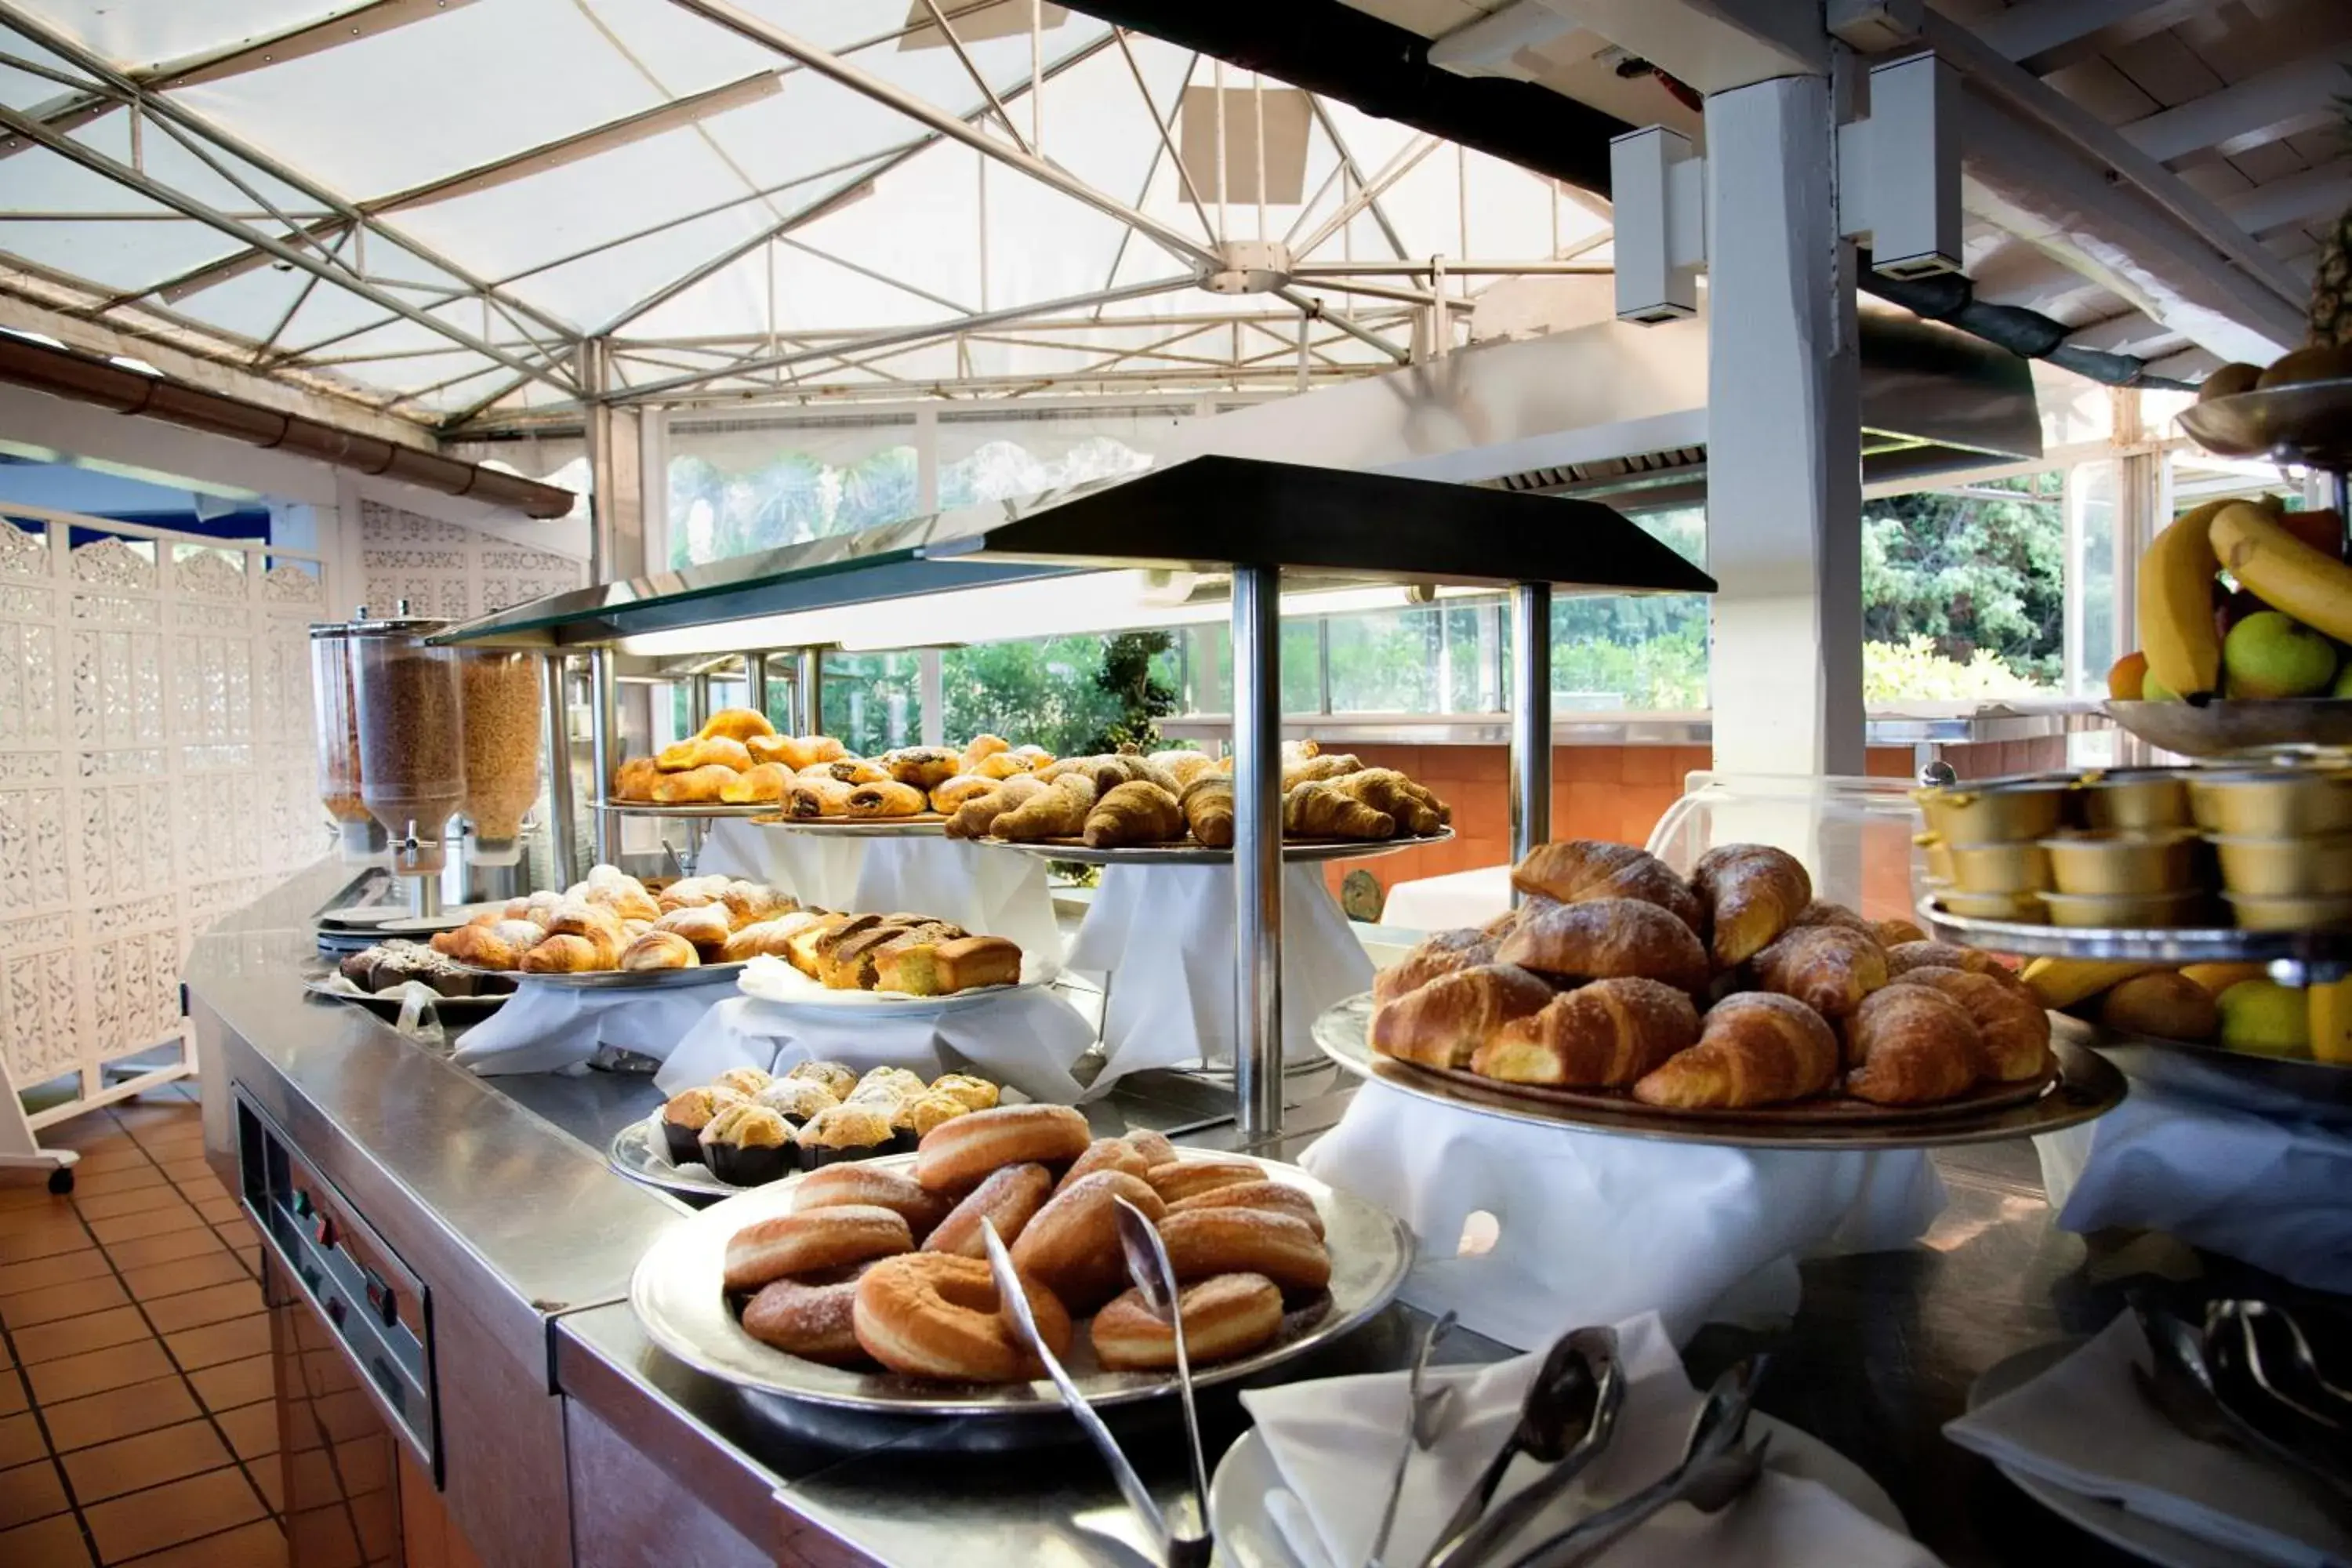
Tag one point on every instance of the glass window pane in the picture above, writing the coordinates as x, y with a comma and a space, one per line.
1963, 591
716, 512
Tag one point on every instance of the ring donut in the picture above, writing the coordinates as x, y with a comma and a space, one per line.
954, 1155
1202, 1242
1276, 1197
1072, 1246
810, 1317
1104, 1154
856, 1183
931, 1315
1180, 1179
1225, 1315
1011, 1197
807, 1243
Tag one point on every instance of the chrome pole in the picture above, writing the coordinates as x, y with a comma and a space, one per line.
1257, 852
808, 693
755, 682
698, 701
603, 724
1530, 718
563, 828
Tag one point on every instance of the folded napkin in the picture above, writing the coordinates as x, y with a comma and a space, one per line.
1163, 938
1587, 1227
2084, 1426
1023, 1039
419, 1016
2193, 1150
546, 1029
1335, 1442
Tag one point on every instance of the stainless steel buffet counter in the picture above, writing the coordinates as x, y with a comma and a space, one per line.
553, 1432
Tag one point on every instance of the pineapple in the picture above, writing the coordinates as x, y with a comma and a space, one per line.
2331, 280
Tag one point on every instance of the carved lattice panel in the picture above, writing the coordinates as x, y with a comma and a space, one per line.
447, 570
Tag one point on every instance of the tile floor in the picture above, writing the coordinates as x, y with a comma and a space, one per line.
136, 1421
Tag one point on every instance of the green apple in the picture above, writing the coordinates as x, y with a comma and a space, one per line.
2273, 654
2151, 689
2343, 687
2265, 1017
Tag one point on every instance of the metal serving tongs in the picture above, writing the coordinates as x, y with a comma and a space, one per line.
2280, 1360
2205, 1397
1567, 1419
1155, 1279
1189, 1551
1425, 1421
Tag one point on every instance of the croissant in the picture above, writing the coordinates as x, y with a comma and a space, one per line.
1606, 1035
707, 926
814, 795
628, 901
887, 798
747, 901
1314, 767
774, 938
976, 818
980, 748
697, 786
636, 779
699, 752
1181, 765
737, 724
1443, 1024
1001, 765
1106, 772
691, 892
569, 955
1896, 930
795, 753
1906, 956
1576, 870
762, 781
1208, 805
1828, 968
1317, 810
1912, 1045
1440, 952
580, 916
1137, 812
1822, 912
2014, 1029
487, 946
1604, 937
660, 950
921, 766
1057, 811
1752, 893
1754, 1048
1417, 811
946, 797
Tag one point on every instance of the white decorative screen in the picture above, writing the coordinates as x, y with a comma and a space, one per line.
156, 770
449, 570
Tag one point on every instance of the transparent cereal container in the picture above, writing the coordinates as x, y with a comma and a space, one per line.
501, 700
335, 717
412, 735
1854, 835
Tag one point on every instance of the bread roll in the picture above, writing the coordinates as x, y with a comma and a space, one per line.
2167, 1004
1755, 1047
1603, 938
1577, 870
1604, 1034
1443, 1024
1752, 892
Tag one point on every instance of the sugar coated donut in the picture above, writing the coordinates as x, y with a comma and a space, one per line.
1072, 1246
1180, 1179
1011, 1197
806, 1243
931, 1315
1225, 1315
1104, 1154
1277, 1197
811, 1316
954, 1155
1201, 1242
854, 1183
1153, 1146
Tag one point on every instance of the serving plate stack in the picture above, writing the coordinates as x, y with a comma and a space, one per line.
1191, 852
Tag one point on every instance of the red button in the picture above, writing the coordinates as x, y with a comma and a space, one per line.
325, 1231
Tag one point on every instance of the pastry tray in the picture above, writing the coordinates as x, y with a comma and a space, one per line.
1189, 853
795, 992
625, 979
703, 812
2317, 1085
2327, 953
675, 1295
2084, 1086
449, 1007
924, 825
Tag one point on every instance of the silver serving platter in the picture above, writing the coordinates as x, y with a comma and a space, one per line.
2309, 423
2220, 727
677, 1297
636, 1153
703, 811
446, 1006
1202, 855
2087, 1087
626, 979
2303, 1078
2325, 951
931, 825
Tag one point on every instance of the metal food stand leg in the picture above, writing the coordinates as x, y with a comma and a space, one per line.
562, 834
808, 696
602, 721
1530, 719
1257, 852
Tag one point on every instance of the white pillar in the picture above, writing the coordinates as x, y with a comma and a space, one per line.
1784, 448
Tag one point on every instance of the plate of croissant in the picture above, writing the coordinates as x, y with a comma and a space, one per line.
1177, 806
1729, 1006
611, 930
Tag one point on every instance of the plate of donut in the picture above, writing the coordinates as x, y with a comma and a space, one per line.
862, 1285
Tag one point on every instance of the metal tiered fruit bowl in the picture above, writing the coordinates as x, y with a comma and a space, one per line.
2324, 955
2309, 423
2223, 728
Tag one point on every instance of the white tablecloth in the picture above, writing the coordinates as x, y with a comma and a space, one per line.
1456, 900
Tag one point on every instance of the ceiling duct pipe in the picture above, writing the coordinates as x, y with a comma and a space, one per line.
1337, 51
86, 378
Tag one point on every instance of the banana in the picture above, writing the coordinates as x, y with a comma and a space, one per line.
2058, 982
2331, 1021
2219, 977
2176, 604
2280, 569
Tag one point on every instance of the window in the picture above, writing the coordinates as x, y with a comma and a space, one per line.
1963, 591
716, 512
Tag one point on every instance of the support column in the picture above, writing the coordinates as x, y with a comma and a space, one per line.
1257, 854
615, 474
1530, 720
1784, 438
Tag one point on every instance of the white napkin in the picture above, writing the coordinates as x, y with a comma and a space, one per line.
419, 1016
1589, 1228
545, 1028
1163, 938
2084, 1426
1025, 1040
2263, 1185
1335, 1441
995, 892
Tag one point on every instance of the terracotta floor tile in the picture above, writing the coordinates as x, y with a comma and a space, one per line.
28, 1308
94, 1133
55, 1382
119, 1412
234, 1383
137, 1199
89, 1183
53, 1235
185, 1274
220, 1212
252, 1430
188, 1509
141, 1251
13, 1397
269, 1475
182, 1140
194, 1173
61, 1268
20, 1441
129, 1157
251, 1258
194, 1309
54, 1542
152, 1458
180, 1216
238, 1230
23, 1190
132, 1115
217, 1342
29, 1492
257, 1545
75, 1336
